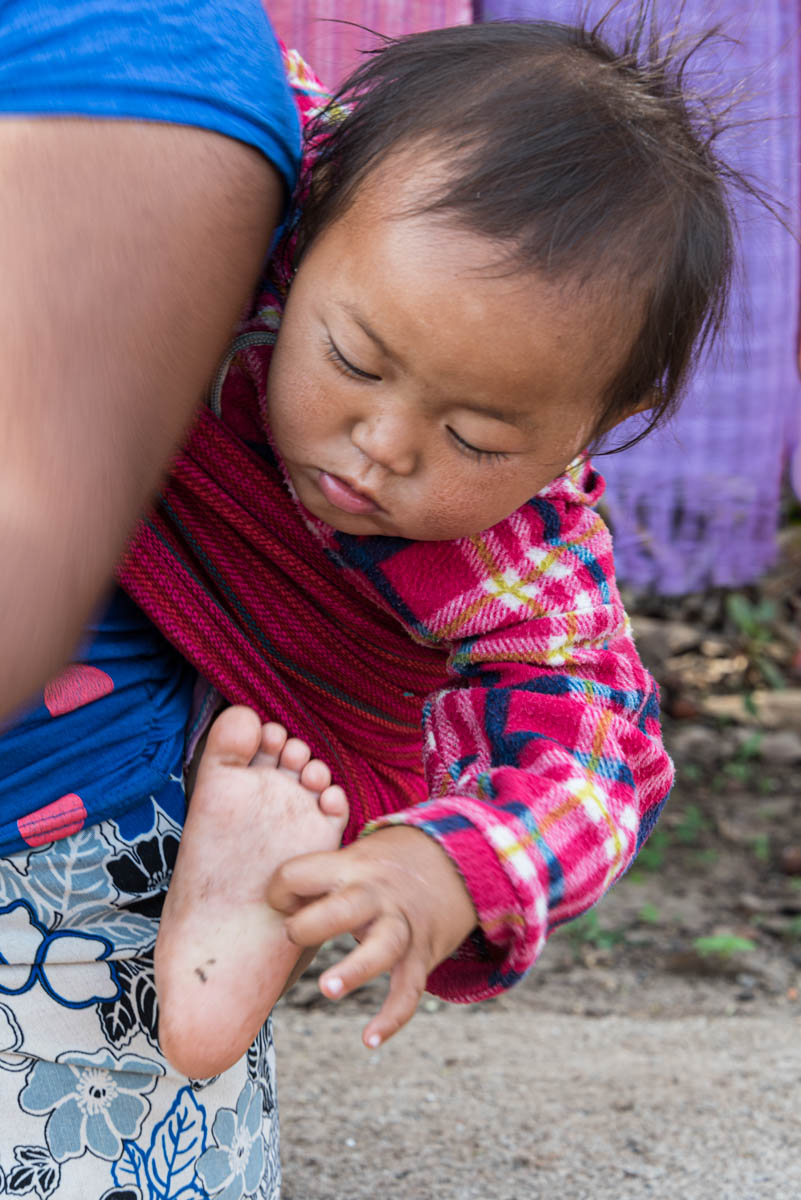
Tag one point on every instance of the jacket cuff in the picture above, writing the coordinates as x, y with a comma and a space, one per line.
504, 945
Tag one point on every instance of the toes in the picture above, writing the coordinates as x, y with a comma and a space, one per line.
294, 756
234, 737
316, 775
273, 740
334, 803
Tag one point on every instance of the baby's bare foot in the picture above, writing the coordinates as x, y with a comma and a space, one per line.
222, 956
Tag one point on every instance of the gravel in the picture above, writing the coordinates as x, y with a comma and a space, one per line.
500, 1102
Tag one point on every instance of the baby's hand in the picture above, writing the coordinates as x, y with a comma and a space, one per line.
399, 893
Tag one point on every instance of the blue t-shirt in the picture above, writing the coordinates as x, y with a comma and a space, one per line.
110, 730
210, 63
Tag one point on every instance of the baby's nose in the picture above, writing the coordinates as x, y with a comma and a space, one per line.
387, 440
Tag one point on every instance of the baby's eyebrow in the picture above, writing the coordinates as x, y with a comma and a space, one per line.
510, 416
364, 325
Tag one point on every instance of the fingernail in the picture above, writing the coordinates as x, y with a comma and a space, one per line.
334, 985
374, 1041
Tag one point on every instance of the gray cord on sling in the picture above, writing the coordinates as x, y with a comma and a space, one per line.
258, 337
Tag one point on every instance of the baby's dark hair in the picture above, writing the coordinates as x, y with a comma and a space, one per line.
582, 162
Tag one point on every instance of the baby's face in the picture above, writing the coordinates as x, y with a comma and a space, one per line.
417, 392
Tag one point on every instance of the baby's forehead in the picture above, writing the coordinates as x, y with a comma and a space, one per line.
420, 181
407, 181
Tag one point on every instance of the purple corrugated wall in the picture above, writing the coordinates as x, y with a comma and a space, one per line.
698, 504
315, 26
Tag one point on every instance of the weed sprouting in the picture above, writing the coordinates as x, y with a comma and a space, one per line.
723, 945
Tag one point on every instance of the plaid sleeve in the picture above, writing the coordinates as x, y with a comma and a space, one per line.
543, 756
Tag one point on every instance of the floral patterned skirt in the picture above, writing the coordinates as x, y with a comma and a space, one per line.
89, 1107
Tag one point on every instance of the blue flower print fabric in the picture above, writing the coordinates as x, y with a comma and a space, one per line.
90, 1108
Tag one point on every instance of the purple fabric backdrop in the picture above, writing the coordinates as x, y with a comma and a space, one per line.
698, 504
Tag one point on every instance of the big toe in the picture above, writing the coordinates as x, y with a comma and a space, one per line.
234, 737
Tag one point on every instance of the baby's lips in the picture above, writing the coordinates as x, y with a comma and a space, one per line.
343, 496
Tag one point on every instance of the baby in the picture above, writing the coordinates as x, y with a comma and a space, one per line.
514, 240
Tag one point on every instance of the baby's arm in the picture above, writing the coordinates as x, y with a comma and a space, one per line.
548, 809
544, 761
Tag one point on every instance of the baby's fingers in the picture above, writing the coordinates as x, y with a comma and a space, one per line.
300, 879
341, 911
383, 946
405, 990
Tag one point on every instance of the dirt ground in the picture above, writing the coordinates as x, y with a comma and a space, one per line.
655, 1049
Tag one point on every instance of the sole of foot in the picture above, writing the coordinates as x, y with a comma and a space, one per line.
222, 956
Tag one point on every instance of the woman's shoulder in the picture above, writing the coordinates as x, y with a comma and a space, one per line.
217, 66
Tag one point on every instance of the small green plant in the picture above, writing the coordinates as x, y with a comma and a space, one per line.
743, 765
761, 847
750, 747
650, 914
723, 945
794, 926
652, 855
586, 931
691, 825
754, 621
741, 771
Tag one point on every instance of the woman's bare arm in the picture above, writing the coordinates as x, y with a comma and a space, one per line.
127, 251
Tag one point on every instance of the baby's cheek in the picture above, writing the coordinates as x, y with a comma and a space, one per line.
290, 421
493, 493
455, 514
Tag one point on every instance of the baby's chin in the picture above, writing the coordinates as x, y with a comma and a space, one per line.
370, 526
353, 524
375, 525
384, 524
